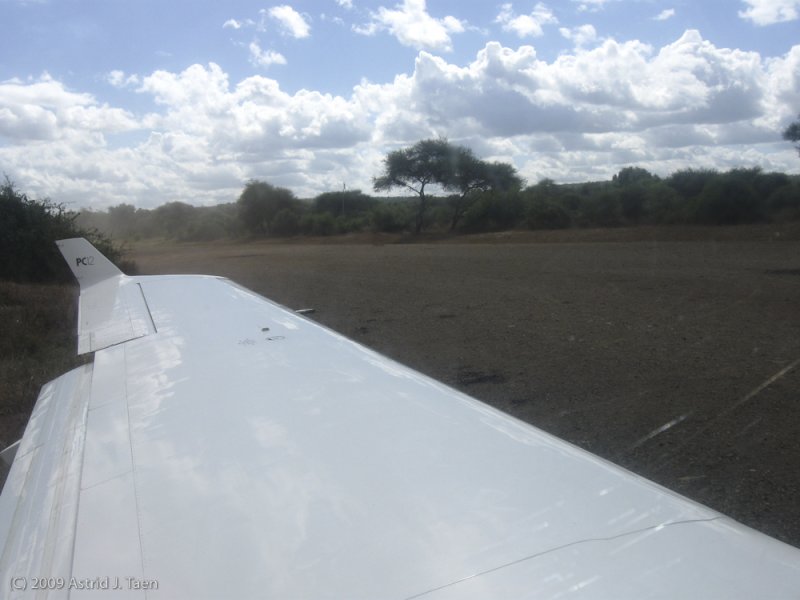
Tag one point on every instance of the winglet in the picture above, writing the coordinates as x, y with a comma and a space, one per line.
87, 263
112, 308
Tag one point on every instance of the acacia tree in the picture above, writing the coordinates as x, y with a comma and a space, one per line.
453, 168
426, 162
792, 133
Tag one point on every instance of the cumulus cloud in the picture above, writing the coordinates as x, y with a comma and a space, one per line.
782, 90
582, 115
768, 12
665, 14
526, 25
237, 24
616, 96
45, 110
265, 58
582, 36
591, 5
119, 79
348, 4
291, 22
411, 24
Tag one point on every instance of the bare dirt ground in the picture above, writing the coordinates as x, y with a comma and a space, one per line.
679, 360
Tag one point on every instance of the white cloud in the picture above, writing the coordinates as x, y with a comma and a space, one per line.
526, 25
265, 58
591, 5
665, 14
768, 12
782, 90
196, 87
583, 35
582, 115
590, 112
368, 29
291, 21
238, 24
44, 110
118, 79
411, 24
348, 4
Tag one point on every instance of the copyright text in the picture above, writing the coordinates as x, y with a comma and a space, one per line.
107, 583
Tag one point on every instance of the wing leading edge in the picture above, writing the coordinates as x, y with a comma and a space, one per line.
240, 450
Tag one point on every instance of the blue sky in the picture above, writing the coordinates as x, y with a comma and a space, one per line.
146, 102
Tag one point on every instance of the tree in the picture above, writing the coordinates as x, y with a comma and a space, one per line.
690, 182
633, 183
601, 209
633, 175
426, 162
173, 218
472, 174
494, 212
792, 133
784, 203
259, 203
728, 199
438, 162
662, 204
122, 219
339, 204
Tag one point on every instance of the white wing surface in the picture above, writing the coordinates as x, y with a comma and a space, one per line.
111, 308
239, 450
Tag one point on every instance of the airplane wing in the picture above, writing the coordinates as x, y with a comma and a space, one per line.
220, 445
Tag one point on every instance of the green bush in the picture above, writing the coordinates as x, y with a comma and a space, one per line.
206, 226
784, 203
349, 224
260, 203
493, 211
285, 223
727, 200
690, 182
663, 205
633, 176
632, 200
345, 203
547, 214
765, 184
391, 217
318, 224
601, 210
28, 232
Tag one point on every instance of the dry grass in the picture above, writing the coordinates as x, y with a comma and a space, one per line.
37, 344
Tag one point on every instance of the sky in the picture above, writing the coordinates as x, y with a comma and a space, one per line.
105, 102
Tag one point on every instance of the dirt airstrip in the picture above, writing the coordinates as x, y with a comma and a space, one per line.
679, 360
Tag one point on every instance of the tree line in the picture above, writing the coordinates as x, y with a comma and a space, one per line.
632, 197
446, 189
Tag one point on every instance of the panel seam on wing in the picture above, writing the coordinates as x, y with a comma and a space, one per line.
147, 306
562, 547
106, 480
133, 465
